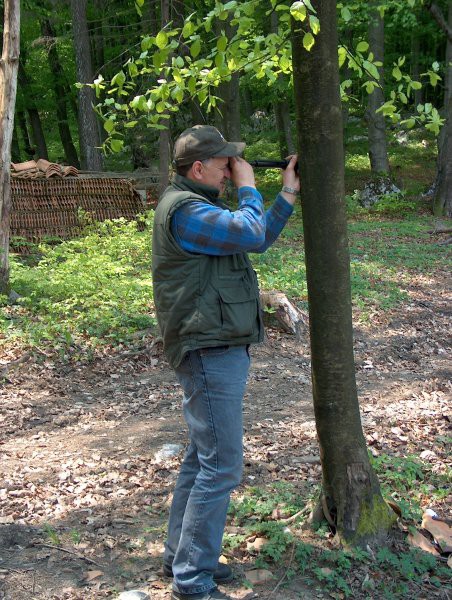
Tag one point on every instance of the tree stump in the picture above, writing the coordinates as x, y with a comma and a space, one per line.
292, 319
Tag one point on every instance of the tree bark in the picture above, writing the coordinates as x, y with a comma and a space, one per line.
23, 127
165, 135
378, 150
59, 90
350, 486
282, 107
33, 114
15, 148
9, 65
89, 134
442, 202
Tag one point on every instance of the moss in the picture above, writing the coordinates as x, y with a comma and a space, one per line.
376, 519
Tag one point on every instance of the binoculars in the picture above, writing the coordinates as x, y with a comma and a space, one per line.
271, 164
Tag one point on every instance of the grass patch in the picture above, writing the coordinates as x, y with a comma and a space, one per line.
92, 290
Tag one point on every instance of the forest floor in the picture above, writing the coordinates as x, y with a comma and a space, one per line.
85, 487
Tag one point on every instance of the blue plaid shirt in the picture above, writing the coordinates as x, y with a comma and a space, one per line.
202, 228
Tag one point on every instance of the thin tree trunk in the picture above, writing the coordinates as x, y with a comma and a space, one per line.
415, 70
9, 65
33, 114
23, 127
442, 203
165, 135
58, 79
90, 141
378, 150
281, 107
350, 487
15, 148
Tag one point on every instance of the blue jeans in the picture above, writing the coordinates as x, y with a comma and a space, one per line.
213, 381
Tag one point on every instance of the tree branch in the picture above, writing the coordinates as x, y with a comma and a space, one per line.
437, 14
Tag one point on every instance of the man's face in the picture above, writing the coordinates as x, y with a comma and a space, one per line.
215, 172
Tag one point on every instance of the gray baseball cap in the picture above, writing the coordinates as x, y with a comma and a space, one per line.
202, 142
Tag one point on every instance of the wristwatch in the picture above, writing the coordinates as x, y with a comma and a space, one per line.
289, 190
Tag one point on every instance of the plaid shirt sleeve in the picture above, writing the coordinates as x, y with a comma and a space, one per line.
202, 228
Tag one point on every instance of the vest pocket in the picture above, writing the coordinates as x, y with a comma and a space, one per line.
238, 307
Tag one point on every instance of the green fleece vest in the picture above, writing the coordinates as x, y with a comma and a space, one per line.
201, 300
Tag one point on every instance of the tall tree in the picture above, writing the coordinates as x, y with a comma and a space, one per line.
442, 203
378, 149
281, 106
165, 134
60, 92
39, 141
89, 133
9, 65
350, 486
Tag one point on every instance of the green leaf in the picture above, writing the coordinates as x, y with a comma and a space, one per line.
416, 85
342, 52
396, 73
195, 48
309, 5
315, 24
298, 11
160, 106
109, 125
119, 79
371, 69
116, 145
147, 42
133, 69
308, 41
403, 98
409, 123
219, 60
161, 40
130, 124
362, 47
222, 43
140, 3
346, 14
370, 86
188, 29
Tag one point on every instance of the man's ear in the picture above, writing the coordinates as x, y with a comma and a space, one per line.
197, 169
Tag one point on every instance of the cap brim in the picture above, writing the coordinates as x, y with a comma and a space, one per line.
230, 149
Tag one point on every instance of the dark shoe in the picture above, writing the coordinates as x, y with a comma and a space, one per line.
214, 594
223, 573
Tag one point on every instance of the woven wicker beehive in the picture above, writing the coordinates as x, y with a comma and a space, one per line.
51, 207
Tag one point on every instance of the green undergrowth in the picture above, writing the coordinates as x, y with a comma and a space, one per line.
391, 572
97, 289
92, 290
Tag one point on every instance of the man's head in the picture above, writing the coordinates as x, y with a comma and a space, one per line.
202, 154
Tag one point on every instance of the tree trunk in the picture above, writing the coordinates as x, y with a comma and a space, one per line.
442, 202
15, 148
165, 135
33, 114
90, 141
9, 65
350, 487
23, 127
415, 69
282, 107
378, 151
59, 90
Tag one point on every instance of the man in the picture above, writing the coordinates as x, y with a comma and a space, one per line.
207, 301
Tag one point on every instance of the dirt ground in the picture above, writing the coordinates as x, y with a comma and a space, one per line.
85, 486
